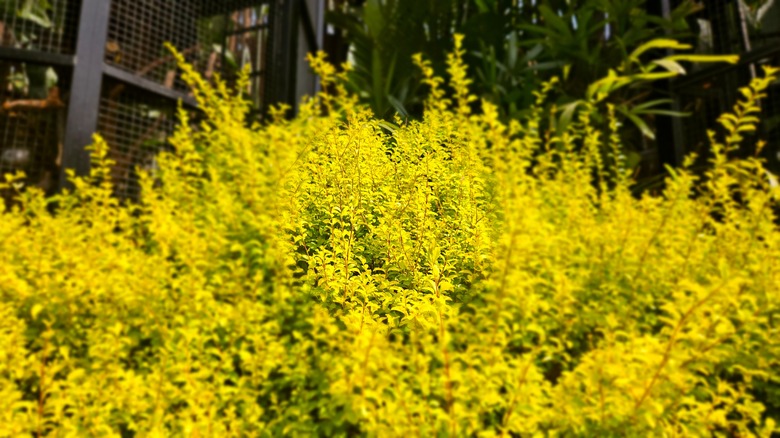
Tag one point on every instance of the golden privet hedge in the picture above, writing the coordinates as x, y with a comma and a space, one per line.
335, 275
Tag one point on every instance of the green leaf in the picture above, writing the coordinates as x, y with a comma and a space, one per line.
661, 43
567, 115
511, 59
746, 128
533, 53
37, 12
604, 86
670, 65
51, 78
638, 122
730, 59
650, 77
538, 30
662, 112
652, 103
391, 127
398, 105
373, 17
555, 21
377, 81
482, 6
542, 66
566, 71
36, 310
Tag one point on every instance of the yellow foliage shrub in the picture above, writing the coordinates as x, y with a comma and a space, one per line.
334, 275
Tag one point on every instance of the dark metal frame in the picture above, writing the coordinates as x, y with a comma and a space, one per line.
35, 57
85, 86
148, 85
283, 36
89, 68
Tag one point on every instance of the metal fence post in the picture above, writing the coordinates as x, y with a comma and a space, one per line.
85, 89
283, 52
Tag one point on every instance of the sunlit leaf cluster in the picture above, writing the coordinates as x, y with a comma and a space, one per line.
335, 275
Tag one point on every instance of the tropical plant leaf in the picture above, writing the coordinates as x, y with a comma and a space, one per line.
567, 115
398, 105
661, 43
638, 122
670, 65
653, 103
730, 59
36, 11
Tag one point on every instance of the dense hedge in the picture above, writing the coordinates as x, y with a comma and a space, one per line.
334, 275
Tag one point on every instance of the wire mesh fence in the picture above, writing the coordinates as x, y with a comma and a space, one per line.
217, 37
136, 126
27, 144
214, 36
737, 26
42, 25
247, 35
32, 122
138, 30
51, 100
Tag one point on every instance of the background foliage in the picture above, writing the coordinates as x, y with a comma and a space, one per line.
452, 276
513, 47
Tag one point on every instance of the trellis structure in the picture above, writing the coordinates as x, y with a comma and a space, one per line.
70, 68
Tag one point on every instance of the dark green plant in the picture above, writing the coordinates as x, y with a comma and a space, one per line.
614, 53
611, 39
504, 74
384, 35
514, 47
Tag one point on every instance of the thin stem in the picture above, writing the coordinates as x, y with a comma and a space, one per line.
41, 386
670, 345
